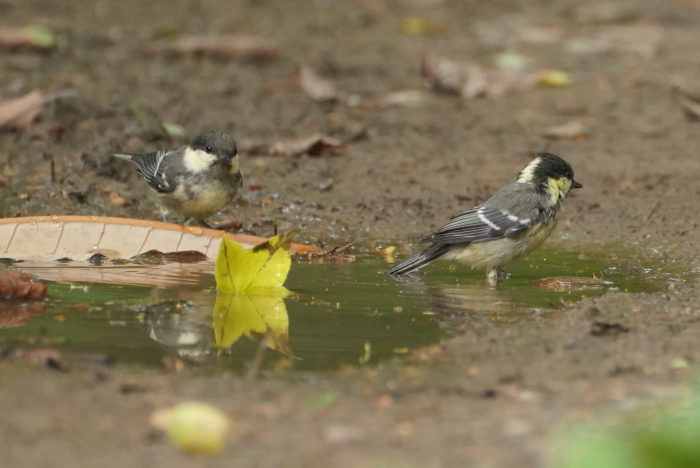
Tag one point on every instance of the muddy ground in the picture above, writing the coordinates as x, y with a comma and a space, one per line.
497, 395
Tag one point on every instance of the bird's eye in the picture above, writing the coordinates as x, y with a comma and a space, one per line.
208, 149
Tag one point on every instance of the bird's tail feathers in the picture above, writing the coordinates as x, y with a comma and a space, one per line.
420, 260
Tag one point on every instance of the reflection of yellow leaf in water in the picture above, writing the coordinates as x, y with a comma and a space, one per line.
256, 271
256, 316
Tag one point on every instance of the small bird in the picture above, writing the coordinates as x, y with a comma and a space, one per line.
195, 180
514, 221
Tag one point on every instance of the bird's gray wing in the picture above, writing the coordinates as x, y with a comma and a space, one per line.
493, 220
151, 166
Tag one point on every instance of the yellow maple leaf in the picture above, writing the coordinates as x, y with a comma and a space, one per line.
259, 270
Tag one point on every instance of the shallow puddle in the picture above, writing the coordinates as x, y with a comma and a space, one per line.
350, 313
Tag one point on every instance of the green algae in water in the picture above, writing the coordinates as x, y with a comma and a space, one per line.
339, 314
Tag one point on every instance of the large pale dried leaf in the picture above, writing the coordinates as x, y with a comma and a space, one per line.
20, 112
47, 238
314, 145
27, 38
574, 130
316, 87
223, 47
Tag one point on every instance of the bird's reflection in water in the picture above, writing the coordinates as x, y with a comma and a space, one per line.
468, 299
182, 326
199, 331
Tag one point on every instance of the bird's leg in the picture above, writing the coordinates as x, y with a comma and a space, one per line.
195, 222
164, 215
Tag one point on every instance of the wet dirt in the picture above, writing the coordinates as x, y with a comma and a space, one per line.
497, 394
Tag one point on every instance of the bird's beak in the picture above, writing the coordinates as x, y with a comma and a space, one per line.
575, 184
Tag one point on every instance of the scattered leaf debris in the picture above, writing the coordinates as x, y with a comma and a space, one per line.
220, 47
19, 113
570, 283
15, 285
337, 255
36, 38
316, 87
608, 329
573, 130
469, 80
154, 256
690, 102
314, 145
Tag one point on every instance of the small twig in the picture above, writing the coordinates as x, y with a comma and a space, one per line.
64, 93
256, 363
653, 210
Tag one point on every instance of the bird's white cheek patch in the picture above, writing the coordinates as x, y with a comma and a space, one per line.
197, 160
234, 165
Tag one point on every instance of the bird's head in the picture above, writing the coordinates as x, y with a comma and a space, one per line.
211, 148
551, 174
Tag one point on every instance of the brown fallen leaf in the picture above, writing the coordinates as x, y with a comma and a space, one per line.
404, 98
442, 74
337, 255
116, 199
470, 80
18, 113
26, 38
13, 314
15, 285
314, 145
156, 257
574, 130
48, 357
608, 329
689, 101
570, 283
316, 87
222, 47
